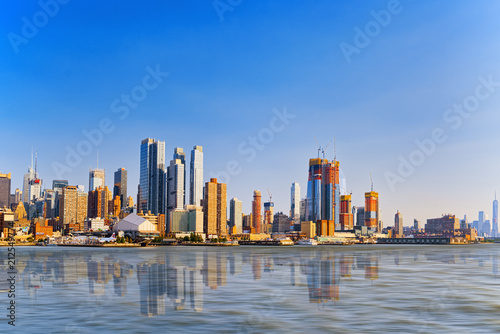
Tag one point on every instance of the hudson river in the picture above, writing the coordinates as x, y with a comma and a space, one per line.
245, 289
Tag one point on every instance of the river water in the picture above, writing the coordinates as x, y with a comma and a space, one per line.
248, 289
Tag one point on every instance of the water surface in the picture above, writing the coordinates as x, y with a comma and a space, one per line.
248, 289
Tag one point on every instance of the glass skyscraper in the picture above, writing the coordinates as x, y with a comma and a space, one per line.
196, 176
152, 181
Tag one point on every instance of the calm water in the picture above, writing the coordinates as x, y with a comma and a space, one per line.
372, 288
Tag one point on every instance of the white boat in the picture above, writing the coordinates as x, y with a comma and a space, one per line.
309, 242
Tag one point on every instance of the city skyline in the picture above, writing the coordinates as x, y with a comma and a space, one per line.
276, 72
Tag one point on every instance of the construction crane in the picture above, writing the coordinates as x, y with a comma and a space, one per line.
320, 149
371, 180
270, 195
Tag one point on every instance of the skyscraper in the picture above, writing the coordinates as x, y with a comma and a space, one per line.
323, 191
180, 155
346, 215
494, 220
257, 211
235, 216
120, 186
196, 176
152, 184
295, 203
398, 224
98, 203
57, 186
73, 207
97, 179
215, 208
176, 178
5, 183
371, 210
482, 218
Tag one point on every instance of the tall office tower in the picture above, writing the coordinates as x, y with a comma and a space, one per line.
256, 211
482, 218
32, 185
57, 186
494, 219
18, 196
346, 215
120, 185
303, 205
196, 176
5, 190
96, 178
73, 206
215, 208
235, 216
152, 177
180, 155
98, 203
49, 203
269, 207
371, 210
268, 217
416, 225
323, 191
175, 185
398, 224
295, 203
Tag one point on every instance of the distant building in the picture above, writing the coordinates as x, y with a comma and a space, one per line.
371, 210
447, 224
268, 217
359, 213
256, 212
176, 180
235, 216
215, 208
136, 224
120, 186
99, 202
323, 191
96, 179
247, 222
416, 225
346, 215
295, 204
309, 228
57, 186
152, 182
196, 176
189, 219
73, 207
281, 223
5, 182
398, 224
494, 219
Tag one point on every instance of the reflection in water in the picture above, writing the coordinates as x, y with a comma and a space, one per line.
178, 277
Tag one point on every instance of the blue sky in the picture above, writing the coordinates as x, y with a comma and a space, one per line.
227, 76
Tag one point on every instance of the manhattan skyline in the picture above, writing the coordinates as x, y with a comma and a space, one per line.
228, 78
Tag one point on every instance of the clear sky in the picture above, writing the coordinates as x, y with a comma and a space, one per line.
377, 75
